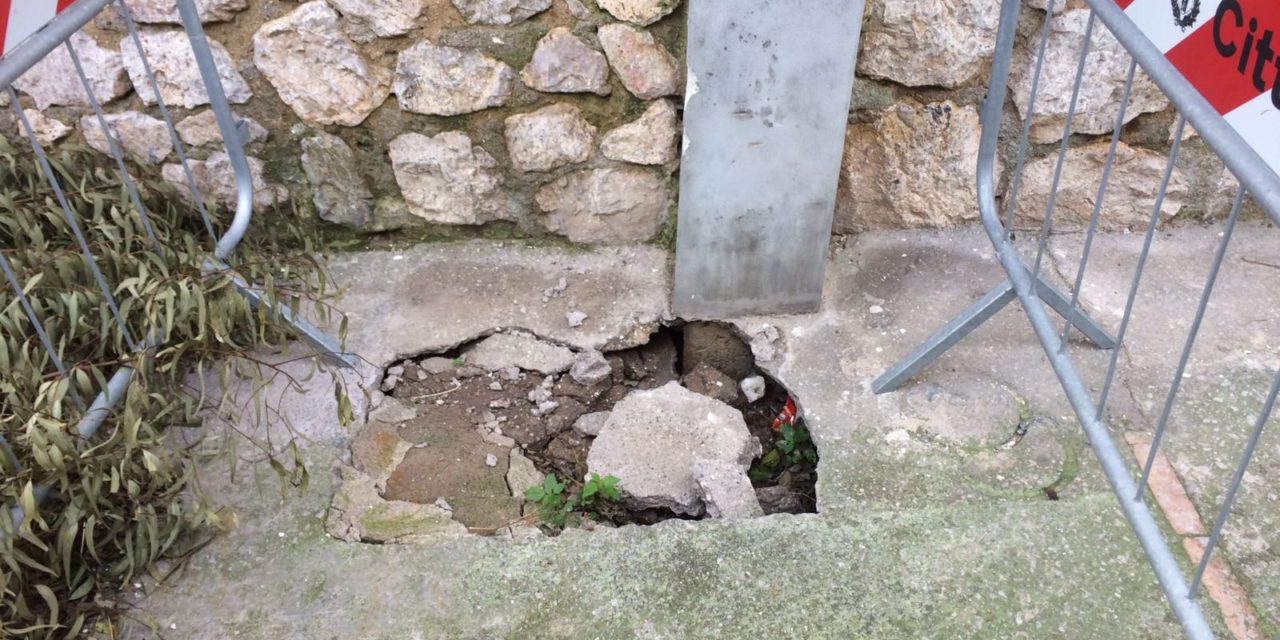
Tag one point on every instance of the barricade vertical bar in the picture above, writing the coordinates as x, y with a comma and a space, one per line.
1268, 406
113, 145
227, 124
1098, 200
1144, 525
1047, 223
1142, 264
1016, 184
71, 221
1191, 341
178, 146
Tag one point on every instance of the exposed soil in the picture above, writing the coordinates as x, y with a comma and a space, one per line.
469, 419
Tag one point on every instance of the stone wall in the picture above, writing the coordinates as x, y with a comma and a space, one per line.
911, 148
546, 116
561, 117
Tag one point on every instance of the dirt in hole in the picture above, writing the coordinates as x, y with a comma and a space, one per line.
469, 420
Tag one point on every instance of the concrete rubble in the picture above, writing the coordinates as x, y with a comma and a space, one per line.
654, 441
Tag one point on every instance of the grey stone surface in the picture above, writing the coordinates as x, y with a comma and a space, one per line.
216, 179
138, 135
337, 188
549, 138
641, 12
53, 80
202, 128
502, 350
446, 179
500, 11
169, 54
653, 138
1105, 72
929, 43
645, 67
590, 424
590, 367
316, 68
47, 129
562, 63
726, 490
762, 147
654, 440
166, 11
360, 514
910, 166
902, 518
1131, 191
449, 81
381, 18
392, 411
752, 388
435, 297
606, 206
521, 474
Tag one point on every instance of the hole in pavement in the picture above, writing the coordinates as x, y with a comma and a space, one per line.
671, 420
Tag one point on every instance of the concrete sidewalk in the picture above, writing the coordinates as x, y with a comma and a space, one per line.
930, 525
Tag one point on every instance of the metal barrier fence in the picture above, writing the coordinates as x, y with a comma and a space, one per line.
1134, 23
19, 57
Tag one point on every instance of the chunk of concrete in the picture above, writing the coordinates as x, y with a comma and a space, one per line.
521, 474
590, 424
726, 490
590, 367
753, 388
654, 440
358, 513
502, 350
392, 411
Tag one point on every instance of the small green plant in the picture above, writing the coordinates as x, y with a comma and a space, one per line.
458, 362
556, 504
793, 446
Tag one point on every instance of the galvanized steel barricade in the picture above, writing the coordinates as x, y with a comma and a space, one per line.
34, 29
1185, 49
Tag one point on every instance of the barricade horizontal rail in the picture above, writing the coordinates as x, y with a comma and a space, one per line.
19, 58
1197, 97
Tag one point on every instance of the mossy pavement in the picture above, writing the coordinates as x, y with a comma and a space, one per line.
925, 529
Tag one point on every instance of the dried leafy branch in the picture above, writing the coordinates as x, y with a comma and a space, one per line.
124, 499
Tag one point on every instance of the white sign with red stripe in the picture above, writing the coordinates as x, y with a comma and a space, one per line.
21, 18
1230, 52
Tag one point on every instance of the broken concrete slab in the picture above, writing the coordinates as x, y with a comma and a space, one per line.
521, 474
434, 297
502, 350
726, 490
654, 439
359, 514
902, 526
590, 367
590, 424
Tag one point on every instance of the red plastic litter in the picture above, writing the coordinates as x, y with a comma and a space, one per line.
788, 414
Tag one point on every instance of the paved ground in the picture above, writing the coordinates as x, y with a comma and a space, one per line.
927, 528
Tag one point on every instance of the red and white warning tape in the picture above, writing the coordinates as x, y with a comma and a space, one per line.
1230, 51
21, 18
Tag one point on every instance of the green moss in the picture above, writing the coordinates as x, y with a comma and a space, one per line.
666, 236
872, 95
314, 590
